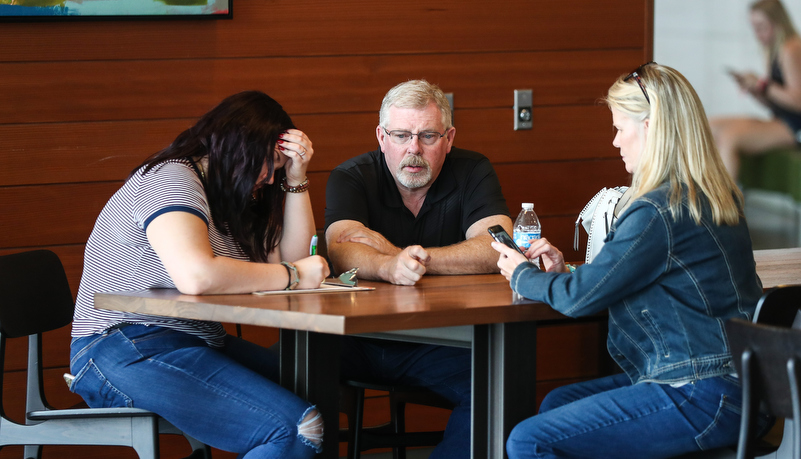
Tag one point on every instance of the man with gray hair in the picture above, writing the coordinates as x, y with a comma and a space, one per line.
415, 206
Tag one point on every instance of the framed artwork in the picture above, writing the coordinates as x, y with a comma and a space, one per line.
41, 10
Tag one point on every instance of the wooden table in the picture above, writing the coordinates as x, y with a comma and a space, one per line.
778, 266
500, 330
503, 333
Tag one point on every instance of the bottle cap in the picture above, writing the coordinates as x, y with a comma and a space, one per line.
528, 206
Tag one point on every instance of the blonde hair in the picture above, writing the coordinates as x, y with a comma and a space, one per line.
416, 94
783, 26
679, 148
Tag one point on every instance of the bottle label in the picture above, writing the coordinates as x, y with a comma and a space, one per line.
523, 239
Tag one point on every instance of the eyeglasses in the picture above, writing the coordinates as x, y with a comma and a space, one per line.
403, 137
636, 75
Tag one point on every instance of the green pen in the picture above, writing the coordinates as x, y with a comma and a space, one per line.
313, 246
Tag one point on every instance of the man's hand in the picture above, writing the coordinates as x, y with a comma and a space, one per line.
351, 244
366, 236
407, 267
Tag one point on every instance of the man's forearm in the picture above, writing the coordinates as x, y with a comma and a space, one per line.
473, 256
347, 255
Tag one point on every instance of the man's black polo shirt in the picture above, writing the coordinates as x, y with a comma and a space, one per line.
466, 190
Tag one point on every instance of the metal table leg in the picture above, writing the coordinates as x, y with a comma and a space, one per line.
501, 400
310, 365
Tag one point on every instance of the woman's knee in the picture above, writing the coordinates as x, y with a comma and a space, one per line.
557, 397
521, 443
310, 429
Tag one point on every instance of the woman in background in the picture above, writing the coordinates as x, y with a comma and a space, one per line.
676, 265
779, 90
215, 212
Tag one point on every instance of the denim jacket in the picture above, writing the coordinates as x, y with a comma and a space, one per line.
668, 286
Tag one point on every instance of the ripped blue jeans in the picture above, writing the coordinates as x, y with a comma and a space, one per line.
610, 417
226, 398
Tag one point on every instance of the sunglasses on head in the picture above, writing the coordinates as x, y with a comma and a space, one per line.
636, 75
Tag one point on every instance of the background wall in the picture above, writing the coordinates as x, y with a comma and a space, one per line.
703, 39
82, 103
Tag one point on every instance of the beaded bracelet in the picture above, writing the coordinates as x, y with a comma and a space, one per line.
303, 186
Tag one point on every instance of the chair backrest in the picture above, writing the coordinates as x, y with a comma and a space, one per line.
779, 306
35, 295
769, 353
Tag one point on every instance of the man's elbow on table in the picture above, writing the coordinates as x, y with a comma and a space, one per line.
338, 252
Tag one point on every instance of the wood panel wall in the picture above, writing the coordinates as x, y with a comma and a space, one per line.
82, 103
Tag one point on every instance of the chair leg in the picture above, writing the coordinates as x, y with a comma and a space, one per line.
750, 407
200, 450
145, 440
397, 412
33, 452
794, 377
358, 424
347, 403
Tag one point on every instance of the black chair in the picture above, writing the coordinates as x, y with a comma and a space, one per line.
778, 307
770, 370
768, 357
37, 298
392, 435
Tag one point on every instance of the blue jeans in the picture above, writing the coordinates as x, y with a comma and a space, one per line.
226, 398
610, 417
443, 370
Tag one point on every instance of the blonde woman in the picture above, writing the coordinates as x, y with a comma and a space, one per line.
676, 265
779, 90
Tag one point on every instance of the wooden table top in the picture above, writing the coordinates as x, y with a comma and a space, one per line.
778, 266
436, 301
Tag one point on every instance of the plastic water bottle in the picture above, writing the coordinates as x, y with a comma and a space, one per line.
527, 228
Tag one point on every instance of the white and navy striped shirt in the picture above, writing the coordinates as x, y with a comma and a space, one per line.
119, 257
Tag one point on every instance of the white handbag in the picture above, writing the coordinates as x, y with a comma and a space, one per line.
596, 218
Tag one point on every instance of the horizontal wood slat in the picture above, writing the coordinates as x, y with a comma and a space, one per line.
103, 151
558, 188
313, 28
65, 214
570, 351
82, 152
55, 351
165, 89
559, 232
52, 214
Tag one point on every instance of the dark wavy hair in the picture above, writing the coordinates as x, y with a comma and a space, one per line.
237, 136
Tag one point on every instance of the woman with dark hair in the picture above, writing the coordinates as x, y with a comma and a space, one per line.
206, 215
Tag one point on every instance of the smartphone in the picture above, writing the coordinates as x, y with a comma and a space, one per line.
500, 235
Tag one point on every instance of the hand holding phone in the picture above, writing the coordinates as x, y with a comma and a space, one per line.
500, 235
738, 77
